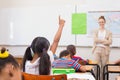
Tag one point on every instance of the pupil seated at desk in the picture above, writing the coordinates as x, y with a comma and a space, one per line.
72, 50
65, 61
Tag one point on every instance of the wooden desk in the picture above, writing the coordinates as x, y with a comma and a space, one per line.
114, 68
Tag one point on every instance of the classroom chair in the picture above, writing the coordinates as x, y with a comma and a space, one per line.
26, 76
110, 68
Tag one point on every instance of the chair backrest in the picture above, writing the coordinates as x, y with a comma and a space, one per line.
43, 77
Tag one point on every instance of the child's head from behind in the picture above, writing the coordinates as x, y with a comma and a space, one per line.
65, 54
71, 49
9, 68
40, 44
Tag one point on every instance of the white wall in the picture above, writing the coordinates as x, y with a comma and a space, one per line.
85, 5
84, 52
24, 3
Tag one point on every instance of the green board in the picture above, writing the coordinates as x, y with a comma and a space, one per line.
79, 23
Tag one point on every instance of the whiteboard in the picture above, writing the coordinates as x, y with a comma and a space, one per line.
19, 26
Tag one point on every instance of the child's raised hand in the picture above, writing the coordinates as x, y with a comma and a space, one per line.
61, 22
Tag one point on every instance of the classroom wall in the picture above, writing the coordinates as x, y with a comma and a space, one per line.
24, 3
84, 52
85, 5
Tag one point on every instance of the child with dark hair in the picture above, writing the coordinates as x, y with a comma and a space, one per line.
72, 50
9, 68
38, 58
65, 61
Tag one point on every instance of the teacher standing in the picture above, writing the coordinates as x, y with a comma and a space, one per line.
102, 42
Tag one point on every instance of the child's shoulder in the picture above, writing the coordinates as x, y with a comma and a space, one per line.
78, 57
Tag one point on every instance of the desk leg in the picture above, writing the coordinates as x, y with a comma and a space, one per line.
105, 73
98, 72
92, 72
107, 76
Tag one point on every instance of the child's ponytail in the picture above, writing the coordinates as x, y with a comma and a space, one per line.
27, 56
45, 63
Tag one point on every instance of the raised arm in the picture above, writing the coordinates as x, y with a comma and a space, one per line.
57, 36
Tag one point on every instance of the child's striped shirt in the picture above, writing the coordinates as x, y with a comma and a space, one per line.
65, 63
